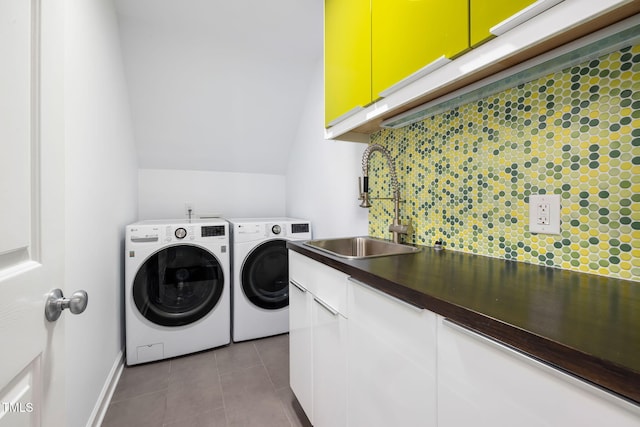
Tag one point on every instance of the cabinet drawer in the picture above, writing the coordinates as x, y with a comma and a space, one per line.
329, 367
392, 361
301, 347
325, 283
499, 386
301, 269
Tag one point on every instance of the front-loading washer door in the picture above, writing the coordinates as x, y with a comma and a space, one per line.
265, 275
178, 285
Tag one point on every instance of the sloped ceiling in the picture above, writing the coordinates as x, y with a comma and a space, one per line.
218, 85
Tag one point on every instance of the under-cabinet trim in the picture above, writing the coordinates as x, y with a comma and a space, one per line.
626, 34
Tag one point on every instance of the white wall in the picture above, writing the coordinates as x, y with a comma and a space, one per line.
322, 176
163, 194
101, 198
216, 85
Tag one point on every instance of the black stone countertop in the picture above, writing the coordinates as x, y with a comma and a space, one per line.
586, 325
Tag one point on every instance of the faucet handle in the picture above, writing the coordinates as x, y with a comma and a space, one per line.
366, 184
400, 228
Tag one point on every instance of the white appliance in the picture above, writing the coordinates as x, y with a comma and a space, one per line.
177, 288
260, 264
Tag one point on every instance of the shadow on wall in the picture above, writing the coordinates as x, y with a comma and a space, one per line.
322, 176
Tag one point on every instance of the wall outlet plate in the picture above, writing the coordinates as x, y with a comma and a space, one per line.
544, 213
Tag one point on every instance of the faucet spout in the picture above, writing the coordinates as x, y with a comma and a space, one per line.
366, 156
396, 227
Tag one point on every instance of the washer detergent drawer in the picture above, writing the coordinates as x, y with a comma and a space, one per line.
149, 353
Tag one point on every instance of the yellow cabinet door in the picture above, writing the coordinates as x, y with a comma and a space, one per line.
347, 56
409, 34
487, 13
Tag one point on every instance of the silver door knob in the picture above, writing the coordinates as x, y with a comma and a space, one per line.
56, 302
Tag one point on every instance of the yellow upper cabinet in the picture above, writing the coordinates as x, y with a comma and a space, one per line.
487, 13
372, 45
409, 34
347, 56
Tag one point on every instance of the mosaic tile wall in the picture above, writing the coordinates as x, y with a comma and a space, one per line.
466, 175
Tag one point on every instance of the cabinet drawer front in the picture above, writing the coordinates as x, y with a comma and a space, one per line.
500, 386
301, 270
329, 368
392, 362
301, 348
408, 329
331, 288
326, 283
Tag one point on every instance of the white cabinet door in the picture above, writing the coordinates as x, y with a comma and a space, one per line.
329, 366
392, 361
317, 340
484, 383
300, 346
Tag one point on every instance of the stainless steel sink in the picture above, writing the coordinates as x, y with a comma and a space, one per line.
361, 247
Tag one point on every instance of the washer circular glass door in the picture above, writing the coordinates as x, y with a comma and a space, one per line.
265, 275
178, 285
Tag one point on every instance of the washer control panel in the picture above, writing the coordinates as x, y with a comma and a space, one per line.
256, 229
146, 233
300, 228
179, 233
213, 231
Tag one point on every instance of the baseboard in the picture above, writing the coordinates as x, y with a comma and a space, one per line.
99, 411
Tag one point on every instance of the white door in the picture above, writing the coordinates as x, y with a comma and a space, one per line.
32, 391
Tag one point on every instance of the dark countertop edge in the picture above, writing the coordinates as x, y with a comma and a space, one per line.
601, 373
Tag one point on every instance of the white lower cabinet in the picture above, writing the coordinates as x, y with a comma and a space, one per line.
329, 366
300, 347
362, 358
392, 361
318, 340
482, 382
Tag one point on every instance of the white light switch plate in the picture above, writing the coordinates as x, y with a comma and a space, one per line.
544, 213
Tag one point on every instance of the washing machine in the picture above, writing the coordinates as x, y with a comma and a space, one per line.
177, 288
260, 266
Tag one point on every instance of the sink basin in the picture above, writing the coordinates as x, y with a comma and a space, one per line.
361, 247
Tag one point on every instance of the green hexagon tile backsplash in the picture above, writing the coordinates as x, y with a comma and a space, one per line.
466, 175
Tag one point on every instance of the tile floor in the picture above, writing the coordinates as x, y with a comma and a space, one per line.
244, 384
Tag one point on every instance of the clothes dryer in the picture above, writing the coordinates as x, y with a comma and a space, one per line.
177, 288
260, 265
